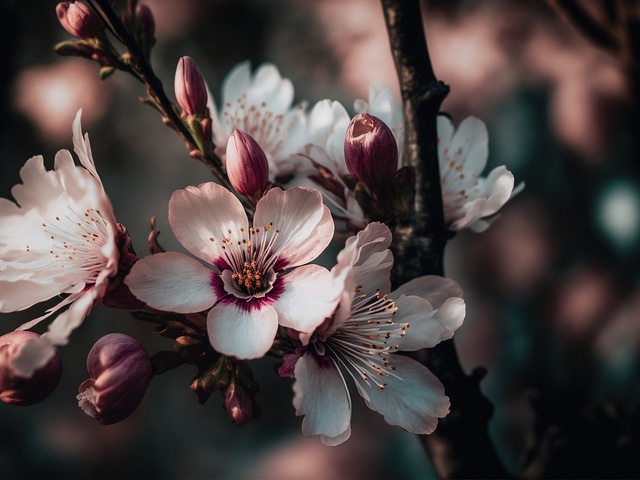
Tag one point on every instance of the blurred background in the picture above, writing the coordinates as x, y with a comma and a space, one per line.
551, 287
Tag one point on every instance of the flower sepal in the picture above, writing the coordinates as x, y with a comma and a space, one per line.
212, 377
239, 396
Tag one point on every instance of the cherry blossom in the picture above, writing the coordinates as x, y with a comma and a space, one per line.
250, 290
466, 196
261, 105
359, 340
59, 237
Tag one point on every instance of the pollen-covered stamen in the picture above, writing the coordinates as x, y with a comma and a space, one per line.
268, 129
76, 240
251, 258
363, 343
250, 278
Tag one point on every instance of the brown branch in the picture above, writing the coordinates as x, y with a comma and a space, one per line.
155, 89
461, 446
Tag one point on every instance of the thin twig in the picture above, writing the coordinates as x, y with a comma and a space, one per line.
154, 88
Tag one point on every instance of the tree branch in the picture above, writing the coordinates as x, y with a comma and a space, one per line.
461, 446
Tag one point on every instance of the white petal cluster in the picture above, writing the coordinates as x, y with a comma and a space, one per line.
261, 105
57, 238
360, 339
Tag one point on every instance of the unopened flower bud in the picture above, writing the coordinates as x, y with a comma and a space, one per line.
370, 150
238, 403
80, 20
247, 165
120, 372
145, 17
190, 88
16, 389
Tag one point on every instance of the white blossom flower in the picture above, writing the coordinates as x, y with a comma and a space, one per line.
468, 198
250, 292
359, 340
325, 164
58, 237
261, 105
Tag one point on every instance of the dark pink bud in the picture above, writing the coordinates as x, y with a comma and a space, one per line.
370, 150
238, 403
17, 390
247, 165
120, 372
190, 88
80, 20
145, 17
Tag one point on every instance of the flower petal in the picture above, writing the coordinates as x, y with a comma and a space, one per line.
172, 282
433, 288
414, 401
33, 355
202, 217
310, 296
239, 332
472, 140
427, 327
82, 147
305, 225
320, 394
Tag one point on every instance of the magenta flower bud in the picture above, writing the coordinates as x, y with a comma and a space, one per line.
145, 17
120, 372
17, 390
247, 165
190, 88
370, 150
238, 403
80, 20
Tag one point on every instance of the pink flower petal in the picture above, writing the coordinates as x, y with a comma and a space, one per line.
321, 396
471, 138
414, 401
243, 333
305, 225
202, 217
433, 288
427, 327
310, 296
172, 282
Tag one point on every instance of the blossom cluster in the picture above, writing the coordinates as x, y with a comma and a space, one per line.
248, 287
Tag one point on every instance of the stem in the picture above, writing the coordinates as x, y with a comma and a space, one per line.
461, 446
155, 90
